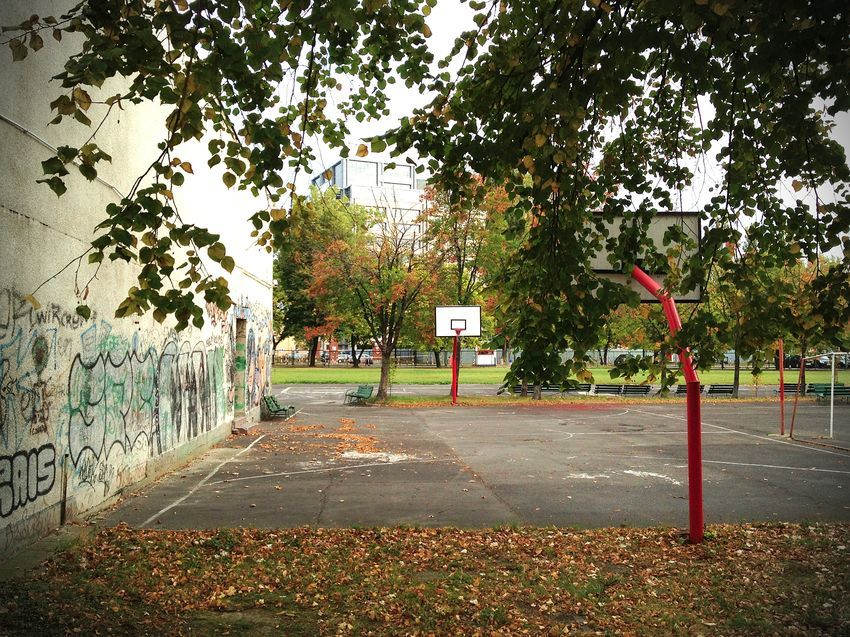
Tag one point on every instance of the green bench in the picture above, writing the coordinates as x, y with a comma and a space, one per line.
636, 390
839, 391
274, 408
360, 395
720, 390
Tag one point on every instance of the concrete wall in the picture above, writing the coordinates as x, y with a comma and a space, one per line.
90, 407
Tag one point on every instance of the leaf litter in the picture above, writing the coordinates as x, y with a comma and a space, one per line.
751, 579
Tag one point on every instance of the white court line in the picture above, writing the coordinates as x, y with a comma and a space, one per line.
200, 484
737, 464
744, 433
284, 390
323, 470
633, 433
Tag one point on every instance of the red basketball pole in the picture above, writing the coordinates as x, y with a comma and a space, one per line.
781, 388
694, 416
455, 365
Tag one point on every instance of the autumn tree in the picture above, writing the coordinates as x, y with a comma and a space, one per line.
313, 225
381, 267
467, 227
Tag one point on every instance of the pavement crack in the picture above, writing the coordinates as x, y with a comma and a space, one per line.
324, 500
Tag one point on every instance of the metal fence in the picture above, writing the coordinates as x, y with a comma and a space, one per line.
404, 357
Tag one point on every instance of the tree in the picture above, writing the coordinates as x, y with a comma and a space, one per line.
311, 227
604, 107
252, 79
592, 112
467, 227
381, 266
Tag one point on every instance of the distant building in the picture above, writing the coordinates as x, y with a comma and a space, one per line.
392, 185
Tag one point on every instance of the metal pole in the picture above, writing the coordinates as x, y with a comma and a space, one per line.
781, 388
695, 503
832, 396
455, 366
695, 509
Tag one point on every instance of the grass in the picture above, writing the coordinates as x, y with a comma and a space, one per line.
787, 579
495, 375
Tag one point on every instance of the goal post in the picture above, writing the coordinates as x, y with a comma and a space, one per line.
831, 372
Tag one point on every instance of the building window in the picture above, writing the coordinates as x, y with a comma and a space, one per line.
400, 175
362, 173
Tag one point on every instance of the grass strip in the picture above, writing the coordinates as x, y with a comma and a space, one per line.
495, 376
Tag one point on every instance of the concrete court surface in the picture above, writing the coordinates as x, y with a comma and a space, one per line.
591, 465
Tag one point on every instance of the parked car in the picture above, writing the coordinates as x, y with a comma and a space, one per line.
343, 358
821, 362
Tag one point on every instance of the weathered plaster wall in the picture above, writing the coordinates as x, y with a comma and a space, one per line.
90, 407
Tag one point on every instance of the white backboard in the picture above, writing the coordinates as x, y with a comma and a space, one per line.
467, 318
688, 222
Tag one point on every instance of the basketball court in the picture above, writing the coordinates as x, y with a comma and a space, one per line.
595, 465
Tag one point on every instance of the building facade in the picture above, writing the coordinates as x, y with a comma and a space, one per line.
90, 407
391, 185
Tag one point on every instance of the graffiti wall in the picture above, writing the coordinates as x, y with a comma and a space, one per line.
90, 407
85, 406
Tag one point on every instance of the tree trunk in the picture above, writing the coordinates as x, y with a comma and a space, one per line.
437, 360
537, 394
355, 360
804, 346
523, 389
384, 384
314, 346
736, 375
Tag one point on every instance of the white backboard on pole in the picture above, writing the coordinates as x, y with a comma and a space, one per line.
688, 222
448, 318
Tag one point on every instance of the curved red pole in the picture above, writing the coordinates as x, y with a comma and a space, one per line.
694, 407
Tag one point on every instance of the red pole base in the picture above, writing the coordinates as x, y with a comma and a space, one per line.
695, 511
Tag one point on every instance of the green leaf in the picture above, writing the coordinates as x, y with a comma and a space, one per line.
217, 251
53, 166
82, 118
229, 179
84, 311
66, 153
89, 172
228, 263
55, 184
378, 145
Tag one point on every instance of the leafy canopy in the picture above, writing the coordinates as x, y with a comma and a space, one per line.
594, 111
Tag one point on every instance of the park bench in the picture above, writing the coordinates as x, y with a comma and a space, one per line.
614, 390
819, 388
359, 396
682, 389
720, 390
636, 390
788, 388
274, 408
544, 389
839, 391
